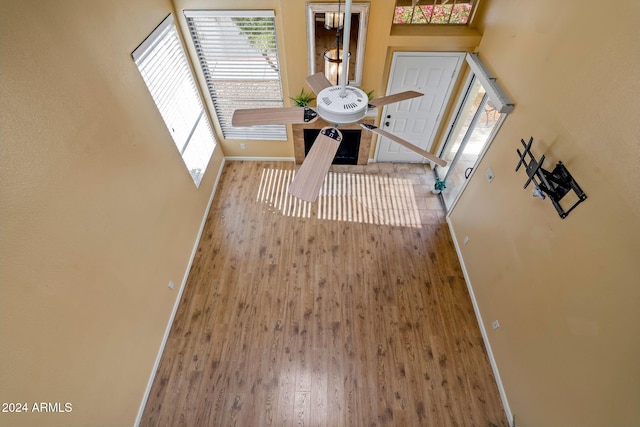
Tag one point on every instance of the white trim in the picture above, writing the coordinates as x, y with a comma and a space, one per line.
149, 43
274, 159
361, 9
483, 331
490, 138
178, 298
455, 116
190, 13
261, 159
499, 99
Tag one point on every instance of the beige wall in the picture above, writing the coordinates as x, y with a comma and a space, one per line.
566, 292
98, 212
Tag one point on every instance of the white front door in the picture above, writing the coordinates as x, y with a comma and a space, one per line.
416, 120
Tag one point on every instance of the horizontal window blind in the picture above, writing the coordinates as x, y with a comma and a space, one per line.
163, 64
238, 53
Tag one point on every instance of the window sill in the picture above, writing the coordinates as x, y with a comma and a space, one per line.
425, 30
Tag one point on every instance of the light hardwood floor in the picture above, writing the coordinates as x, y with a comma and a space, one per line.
350, 312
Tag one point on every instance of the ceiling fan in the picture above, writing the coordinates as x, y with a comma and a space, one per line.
339, 104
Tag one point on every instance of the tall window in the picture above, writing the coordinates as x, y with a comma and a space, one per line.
433, 11
238, 54
481, 109
164, 68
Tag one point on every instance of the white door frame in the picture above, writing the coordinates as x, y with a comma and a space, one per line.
446, 137
454, 79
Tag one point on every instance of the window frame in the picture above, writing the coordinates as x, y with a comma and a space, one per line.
503, 105
433, 4
229, 91
165, 68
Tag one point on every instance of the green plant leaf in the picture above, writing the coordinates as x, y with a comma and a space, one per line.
370, 94
302, 99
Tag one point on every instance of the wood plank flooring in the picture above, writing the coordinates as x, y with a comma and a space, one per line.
352, 311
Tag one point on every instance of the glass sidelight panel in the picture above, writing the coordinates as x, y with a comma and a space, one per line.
476, 121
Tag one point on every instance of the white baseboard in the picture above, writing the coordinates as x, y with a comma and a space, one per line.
271, 159
261, 159
483, 331
178, 298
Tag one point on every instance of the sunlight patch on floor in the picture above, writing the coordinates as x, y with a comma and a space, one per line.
352, 197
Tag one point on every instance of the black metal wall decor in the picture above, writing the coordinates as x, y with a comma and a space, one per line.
555, 184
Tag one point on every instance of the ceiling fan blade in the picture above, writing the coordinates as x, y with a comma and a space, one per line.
396, 97
273, 116
317, 82
410, 146
308, 180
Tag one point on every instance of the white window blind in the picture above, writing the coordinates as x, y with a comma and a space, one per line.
164, 68
238, 54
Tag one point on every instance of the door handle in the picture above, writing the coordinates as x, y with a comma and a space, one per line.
386, 123
467, 173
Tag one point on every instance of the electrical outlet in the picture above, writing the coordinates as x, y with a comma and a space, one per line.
489, 174
495, 324
243, 146
170, 284
466, 240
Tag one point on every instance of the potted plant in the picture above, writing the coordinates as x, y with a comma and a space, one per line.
370, 94
438, 186
302, 99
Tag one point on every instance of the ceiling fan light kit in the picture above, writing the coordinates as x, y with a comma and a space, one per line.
338, 109
338, 105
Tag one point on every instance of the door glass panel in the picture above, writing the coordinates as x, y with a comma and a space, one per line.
475, 124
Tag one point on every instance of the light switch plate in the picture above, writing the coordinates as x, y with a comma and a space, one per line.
489, 174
